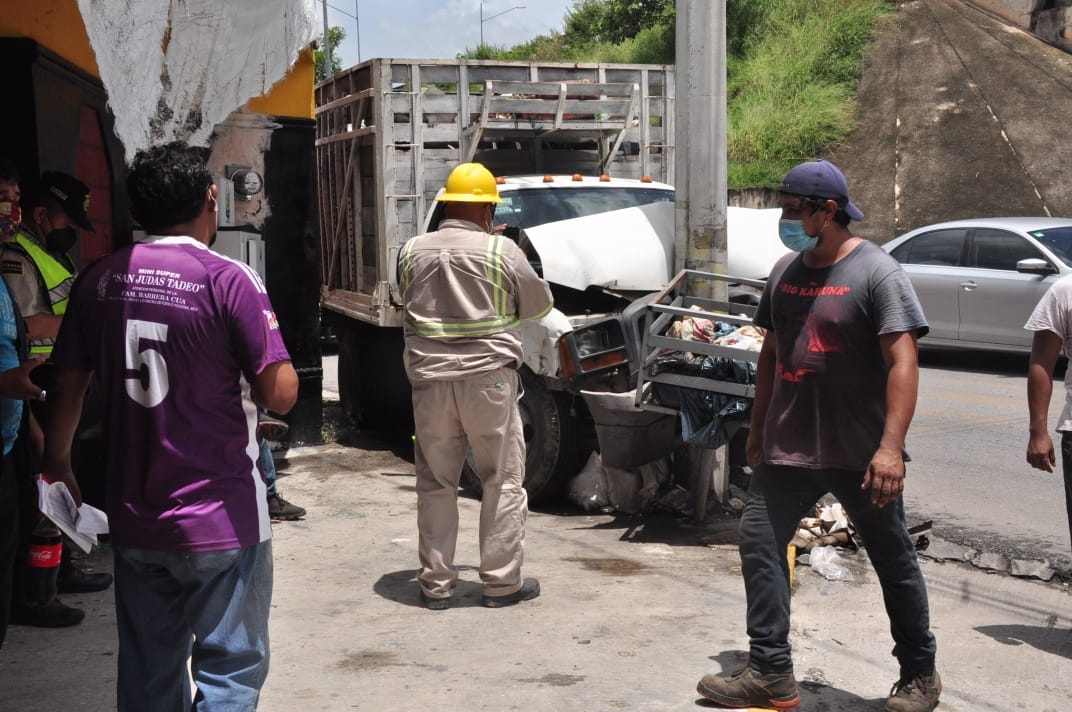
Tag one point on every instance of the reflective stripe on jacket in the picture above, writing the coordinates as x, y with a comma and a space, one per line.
478, 308
55, 280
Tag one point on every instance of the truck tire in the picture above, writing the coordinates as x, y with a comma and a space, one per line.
373, 388
551, 455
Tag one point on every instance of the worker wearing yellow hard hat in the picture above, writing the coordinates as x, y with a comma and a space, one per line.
465, 292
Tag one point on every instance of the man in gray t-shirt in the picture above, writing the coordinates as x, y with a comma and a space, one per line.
835, 392
830, 369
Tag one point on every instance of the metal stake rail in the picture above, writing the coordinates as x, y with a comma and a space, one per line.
674, 302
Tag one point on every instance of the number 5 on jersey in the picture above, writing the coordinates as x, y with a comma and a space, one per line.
147, 372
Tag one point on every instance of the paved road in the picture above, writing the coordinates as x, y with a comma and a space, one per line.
969, 474
330, 365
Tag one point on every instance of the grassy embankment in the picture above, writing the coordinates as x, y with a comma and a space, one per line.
793, 67
793, 70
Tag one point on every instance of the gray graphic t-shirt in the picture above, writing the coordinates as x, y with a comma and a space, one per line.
828, 405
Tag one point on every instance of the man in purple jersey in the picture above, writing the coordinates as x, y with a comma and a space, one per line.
185, 345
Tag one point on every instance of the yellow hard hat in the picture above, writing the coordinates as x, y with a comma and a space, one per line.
470, 183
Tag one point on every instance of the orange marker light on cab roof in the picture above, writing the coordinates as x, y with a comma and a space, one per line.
645, 179
548, 179
578, 177
604, 178
500, 181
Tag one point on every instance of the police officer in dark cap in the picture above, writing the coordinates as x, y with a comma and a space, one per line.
62, 195
36, 261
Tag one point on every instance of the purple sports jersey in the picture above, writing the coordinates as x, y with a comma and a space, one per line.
175, 334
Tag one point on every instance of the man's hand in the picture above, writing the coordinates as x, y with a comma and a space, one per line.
885, 476
15, 383
1040, 454
67, 478
1045, 350
753, 448
64, 411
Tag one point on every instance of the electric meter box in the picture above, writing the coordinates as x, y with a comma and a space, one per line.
242, 245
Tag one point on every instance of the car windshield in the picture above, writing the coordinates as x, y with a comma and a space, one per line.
1057, 240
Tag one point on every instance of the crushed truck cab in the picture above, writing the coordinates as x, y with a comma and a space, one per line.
583, 153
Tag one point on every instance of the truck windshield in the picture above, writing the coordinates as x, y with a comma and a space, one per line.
527, 208
530, 207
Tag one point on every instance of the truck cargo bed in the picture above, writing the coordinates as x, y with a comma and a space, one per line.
389, 131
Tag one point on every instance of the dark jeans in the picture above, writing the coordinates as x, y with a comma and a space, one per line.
26, 497
9, 540
1066, 467
778, 498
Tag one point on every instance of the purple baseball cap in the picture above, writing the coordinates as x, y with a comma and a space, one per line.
820, 179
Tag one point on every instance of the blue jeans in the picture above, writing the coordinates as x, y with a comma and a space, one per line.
778, 498
210, 608
267, 464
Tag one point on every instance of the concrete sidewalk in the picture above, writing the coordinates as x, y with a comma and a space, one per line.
634, 610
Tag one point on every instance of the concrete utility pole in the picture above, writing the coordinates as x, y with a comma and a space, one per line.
700, 116
327, 43
700, 188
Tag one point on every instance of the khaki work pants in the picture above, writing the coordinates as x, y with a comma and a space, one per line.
451, 418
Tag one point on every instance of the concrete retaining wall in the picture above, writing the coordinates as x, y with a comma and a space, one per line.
1051, 20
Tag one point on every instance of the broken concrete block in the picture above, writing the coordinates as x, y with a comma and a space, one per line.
942, 550
990, 561
1032, 568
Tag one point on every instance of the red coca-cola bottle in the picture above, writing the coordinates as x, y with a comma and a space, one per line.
43, 563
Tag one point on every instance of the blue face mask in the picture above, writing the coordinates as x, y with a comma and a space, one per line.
793, 236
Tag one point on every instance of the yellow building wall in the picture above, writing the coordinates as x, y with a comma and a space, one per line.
57, 25
293, 94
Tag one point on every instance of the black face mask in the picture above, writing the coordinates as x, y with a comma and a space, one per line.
61, 240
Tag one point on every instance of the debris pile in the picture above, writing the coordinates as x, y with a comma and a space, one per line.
611, 489
830, 526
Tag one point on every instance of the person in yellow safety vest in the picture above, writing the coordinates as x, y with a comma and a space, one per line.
39, 281
465, 290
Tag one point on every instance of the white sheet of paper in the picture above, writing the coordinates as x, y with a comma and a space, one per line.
80, 524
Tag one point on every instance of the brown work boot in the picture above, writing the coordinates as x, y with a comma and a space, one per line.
749, 688
915, 692
282, 510
433, 603
530, 589
269, 428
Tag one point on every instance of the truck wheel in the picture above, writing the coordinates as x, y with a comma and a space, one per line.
348, 347
550, 442
373, 387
